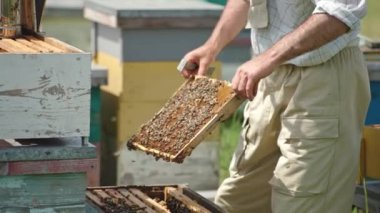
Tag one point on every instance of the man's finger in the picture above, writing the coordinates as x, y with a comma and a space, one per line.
249, 89
235, 81
202, 70
242, 85
185, 73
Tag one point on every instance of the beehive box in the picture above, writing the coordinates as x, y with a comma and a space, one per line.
159, 198
183, 122
45, 175
120, 29
44, 88
369, 159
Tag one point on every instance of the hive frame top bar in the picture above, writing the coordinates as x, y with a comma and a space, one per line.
149, 197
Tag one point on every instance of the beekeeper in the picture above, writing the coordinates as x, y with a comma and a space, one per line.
309, 91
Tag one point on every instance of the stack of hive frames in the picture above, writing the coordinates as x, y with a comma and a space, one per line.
158, 198
183, 122
34, 44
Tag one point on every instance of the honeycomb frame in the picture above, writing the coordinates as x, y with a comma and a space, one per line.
186, 119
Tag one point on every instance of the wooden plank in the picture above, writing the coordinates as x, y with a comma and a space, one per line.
154, 152
114, 193
44, 44
61, 45
36, 191
149, 201
102, 194
93, 198
190, 204
7, 47
51, 167
48, 149
135, 200
33, 45
46, 153
105, 196
51, 100
107, 19
20, 47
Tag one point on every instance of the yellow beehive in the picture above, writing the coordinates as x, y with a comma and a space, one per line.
370, 157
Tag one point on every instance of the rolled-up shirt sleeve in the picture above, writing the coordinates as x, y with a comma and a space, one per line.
348, 11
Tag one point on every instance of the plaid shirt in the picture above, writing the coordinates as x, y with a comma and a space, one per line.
273, 19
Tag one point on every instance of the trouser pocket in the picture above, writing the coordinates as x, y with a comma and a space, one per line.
307, 147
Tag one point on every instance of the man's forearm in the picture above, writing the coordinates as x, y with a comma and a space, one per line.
232, 21
315, 32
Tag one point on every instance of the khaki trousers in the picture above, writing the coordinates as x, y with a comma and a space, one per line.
300, 140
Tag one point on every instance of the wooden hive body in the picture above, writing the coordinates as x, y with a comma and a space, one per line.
154, 198
44, 88
45, 175
186, 119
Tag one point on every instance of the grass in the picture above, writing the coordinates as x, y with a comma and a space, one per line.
371, 22
230, 134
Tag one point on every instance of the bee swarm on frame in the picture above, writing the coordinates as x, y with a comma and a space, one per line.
180, 119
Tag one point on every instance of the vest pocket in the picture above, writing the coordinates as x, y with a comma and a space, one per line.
258, 14
307, 147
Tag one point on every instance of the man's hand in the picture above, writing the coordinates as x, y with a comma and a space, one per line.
203, 56
249, 74
232, 21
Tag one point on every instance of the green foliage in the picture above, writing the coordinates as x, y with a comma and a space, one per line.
370, 23
230, 133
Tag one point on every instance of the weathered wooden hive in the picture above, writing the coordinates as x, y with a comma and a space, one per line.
44, 83
160, 198
186, 119
45, 163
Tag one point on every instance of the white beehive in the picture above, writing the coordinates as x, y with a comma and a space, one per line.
44, 88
